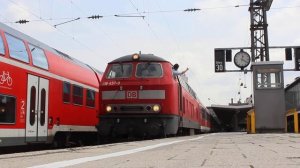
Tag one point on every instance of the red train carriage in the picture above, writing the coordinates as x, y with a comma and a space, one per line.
141, 97
45, 95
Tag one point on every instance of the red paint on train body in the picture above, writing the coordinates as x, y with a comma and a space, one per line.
45, 95
142, 97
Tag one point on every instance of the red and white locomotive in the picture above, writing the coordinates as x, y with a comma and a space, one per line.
141, 97
45, 95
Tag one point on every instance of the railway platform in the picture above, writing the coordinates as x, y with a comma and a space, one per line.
205, 150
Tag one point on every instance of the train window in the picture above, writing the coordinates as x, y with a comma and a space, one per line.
1, 46
66, 92
119, 71
7, 109
32, 105
77, 95
149, 70
90, 98
38, 57
17, 48
43, 107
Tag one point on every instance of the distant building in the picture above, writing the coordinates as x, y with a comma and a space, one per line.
292, 95
249, 100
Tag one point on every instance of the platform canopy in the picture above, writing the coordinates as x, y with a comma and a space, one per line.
231, 117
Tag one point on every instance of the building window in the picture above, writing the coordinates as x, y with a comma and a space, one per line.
38, 57
90, 98
2, 51
292, 97
66, 92
267, 78
77, 95
17, 48
7, 109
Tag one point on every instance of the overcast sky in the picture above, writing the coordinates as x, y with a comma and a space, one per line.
187, 38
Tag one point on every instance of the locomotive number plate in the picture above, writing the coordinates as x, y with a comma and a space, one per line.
131, 94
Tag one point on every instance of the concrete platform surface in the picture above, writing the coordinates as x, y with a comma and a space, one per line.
206, 150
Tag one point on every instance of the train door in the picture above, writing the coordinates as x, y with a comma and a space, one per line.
37, 109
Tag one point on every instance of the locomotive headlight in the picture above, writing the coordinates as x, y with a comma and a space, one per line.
156, 108
135, 56
108, 108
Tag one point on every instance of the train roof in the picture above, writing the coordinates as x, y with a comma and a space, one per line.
37, 43
143, 57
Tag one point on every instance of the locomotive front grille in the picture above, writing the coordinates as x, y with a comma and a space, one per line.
132, 108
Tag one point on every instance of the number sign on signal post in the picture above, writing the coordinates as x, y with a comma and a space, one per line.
219, 60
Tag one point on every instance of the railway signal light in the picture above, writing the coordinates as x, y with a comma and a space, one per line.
297, 59
228, 55
288, 54
219, 60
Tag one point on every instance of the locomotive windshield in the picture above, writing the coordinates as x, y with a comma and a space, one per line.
149, 70
119, 71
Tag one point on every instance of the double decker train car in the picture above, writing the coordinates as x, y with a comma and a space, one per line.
141, 97
45, 95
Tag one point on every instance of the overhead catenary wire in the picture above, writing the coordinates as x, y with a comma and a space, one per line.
140, 13
66, 22
286, 7
130, 16
137, 13
145, 21
52, 26
107, 35
169, 27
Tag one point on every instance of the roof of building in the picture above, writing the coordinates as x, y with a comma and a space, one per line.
297, 80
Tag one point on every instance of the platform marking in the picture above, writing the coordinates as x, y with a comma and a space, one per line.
116, 154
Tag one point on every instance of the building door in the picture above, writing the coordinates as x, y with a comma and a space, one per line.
37, 109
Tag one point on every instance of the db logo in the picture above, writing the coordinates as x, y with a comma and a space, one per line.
131, 95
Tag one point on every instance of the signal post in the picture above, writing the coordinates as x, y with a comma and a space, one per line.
268, 78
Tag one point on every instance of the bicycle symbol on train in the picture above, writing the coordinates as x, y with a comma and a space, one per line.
5, 77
